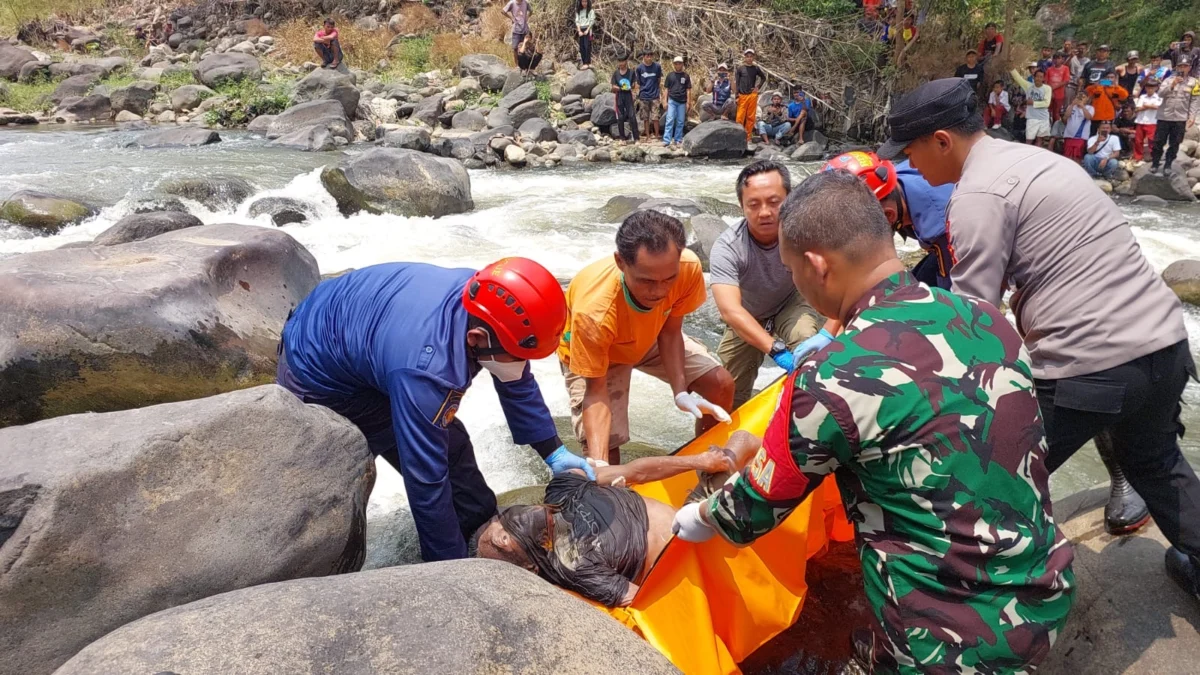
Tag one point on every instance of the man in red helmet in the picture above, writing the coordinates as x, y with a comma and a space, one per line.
393, 349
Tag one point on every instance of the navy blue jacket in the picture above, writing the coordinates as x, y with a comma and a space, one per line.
400, 329
927, 209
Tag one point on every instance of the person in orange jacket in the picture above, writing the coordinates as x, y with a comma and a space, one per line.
1107, 98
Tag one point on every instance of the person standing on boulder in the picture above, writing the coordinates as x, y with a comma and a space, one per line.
649, 82
1179, 110
518, 12
924, 410
748, 78
623, 81
677, 97
394, 347
329, 50
585, 19
1083, 297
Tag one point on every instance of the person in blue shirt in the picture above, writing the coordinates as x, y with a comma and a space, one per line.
797, 113
649, 106
394, 347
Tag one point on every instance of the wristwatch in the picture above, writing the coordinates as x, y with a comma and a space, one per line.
777, 347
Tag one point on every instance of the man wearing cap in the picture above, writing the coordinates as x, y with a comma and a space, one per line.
1099, 68
1130, 72
749, 78
972, 72
677, 98
1179, 110
1106, 336
1058, 76
723, 105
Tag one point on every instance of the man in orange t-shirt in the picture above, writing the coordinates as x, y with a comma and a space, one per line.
1106, 99
627, 312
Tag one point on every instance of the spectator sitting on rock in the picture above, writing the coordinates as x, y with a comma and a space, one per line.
329, 50
1125, 127
528, 57
997, 106
992, 44
774, 125
1102, 153
972, 71
797, 114
721, 88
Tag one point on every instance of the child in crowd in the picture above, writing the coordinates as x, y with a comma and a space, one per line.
1146, 108
1019, 111
1077, 119
623, 79
997, 106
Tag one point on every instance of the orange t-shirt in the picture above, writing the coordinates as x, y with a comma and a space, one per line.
1102, 103
605, 326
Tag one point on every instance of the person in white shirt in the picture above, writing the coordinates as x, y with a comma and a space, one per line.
1037, 113
1078, 118
1103, 151
997, 106
1147, 118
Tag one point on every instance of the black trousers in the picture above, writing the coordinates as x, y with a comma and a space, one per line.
625, 115
1168, 135
1139, 404
585, 49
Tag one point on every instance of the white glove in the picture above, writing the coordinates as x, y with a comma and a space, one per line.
689, 526
697, 406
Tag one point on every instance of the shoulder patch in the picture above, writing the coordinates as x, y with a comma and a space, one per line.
448, 409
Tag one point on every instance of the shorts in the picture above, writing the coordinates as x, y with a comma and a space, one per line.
697, 362
516, 39
648, 110
1073, 148
1036, 129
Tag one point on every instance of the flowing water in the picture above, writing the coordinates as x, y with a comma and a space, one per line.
550, 216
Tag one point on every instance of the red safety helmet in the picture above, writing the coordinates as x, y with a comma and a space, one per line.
880, 174
522, 303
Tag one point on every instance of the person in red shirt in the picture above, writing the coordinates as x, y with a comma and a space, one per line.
992, 43
1058, 75
325, 42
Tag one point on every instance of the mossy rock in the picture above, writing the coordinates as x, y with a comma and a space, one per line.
718, 207
42, 211
1183, 276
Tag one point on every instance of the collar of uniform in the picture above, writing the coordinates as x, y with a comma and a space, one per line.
881, 291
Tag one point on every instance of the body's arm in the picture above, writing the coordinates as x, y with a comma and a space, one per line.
670, 348
597, 417
1044, 103
981, 228
650, 469
528, 418
729, 304
1096, 146
1020, 80
759, 80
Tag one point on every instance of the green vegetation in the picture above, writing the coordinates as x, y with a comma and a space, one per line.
408, 58
31, 97
817, 9
1146, 25
247, 100
543, 91
176, 79
16, 12
120, 78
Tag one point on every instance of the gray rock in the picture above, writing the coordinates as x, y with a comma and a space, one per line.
429, 109
199, 312
1150, 200
599, 155
119, 515
155, 204
407, 138
462, 616
527, 111
581, 136
537, 130
512, 81
76, 86
601, 88
400, 181
514, 155
135, 98
315, 138
705, 228
809, 152
88, 108
326, 112
524, 93
604, 113
34, 70
498, 118
43, 211
189, 96
1172, 187
282, 210
13, 117
101, 67
488, 69
261, 124
1183, 276
324, 83
472, 120
12, 59
178, 137
571, 98
631, 153
139, 226
719, 139
216, 69
214, 192
581, 84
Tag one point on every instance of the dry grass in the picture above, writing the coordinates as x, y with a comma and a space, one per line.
448, 48
493, 25
363, 48
16, 12
256, 28
416, 19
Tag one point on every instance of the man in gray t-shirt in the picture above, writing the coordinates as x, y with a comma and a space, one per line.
763, 312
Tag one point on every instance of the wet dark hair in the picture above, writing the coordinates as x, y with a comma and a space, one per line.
834, 211
763, 166
329, 21
650, 230
991, 24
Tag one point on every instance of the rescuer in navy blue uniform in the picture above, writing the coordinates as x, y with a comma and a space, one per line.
394, 347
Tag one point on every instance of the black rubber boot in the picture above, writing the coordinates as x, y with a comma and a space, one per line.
1184, 570
1125, 513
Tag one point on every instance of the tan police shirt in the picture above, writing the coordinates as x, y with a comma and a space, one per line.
1085, 297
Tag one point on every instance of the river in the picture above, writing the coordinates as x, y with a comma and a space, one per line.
550, 216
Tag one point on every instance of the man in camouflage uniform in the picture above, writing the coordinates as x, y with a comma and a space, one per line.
924, 409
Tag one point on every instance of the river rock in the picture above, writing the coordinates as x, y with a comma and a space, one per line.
704, 230
604, 111
178, 137
43, 211
1150, 200
461, 616
101, 67
1172, 187
407, 138
324, 83
581, 84
719, 139
811, 151
12, 59
139, 226
537, 130
488, 69
514, 155
214, 192
1128, 616
1183, 276
429, 109
316, 138
189, 96
111, 517
282, 210
329, 113
472, 120
217, 69
527, 111
76, 86
199, 312
9, 116
580, 136
33, 71
135, 98
404, 182
524, 93
88, 108
498, 118
261, 124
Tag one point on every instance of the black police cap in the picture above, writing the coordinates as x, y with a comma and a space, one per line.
940, 104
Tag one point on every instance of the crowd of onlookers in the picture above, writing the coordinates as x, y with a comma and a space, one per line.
1078, 102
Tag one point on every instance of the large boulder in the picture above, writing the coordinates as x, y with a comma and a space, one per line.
43, 211
1183, 276
88, 108
581, 84
537, 130
317, 138
498, 118
101, 67
719, 139
282, 210
407, 138
177, 137
462, 616
135, 98
471, 120
522, 94
429, 110
198, 312
327, 112
405, 182
581, 136
189, 96
604, 111
76, 86
214, 192
12, 59
487, 69
527, 111
217, 69
705, 229
324, 83
1172, 187
111, 517
139, 226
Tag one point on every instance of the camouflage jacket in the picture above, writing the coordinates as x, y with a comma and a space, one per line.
924, 409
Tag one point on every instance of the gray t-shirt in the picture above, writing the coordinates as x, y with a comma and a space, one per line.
737, 260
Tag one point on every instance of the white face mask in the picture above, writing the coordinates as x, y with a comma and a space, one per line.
509, 371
